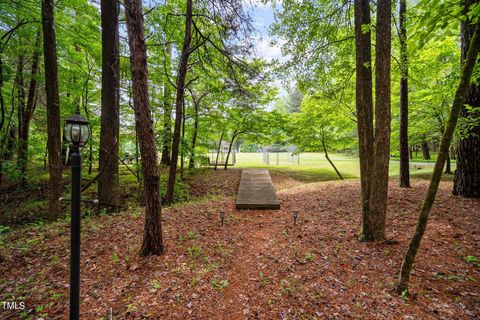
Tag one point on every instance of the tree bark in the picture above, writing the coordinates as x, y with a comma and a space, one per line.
45, 158
182, 141
23, 134
191, 165
110, 119
21, 108
53, 109
379, 191
404, 149
218, 150
167, 109
448, 165
182, 73
364, 105
152, 237
2, 100
467, 174
85, 101
10, 139
137, 155
458, 102
235, 134
327, 157
196, 106
425, 151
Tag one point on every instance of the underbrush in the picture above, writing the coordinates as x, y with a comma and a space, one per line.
28, 203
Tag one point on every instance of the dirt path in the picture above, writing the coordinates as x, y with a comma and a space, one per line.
245, 271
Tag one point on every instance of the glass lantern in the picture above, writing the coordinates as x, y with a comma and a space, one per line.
76, 130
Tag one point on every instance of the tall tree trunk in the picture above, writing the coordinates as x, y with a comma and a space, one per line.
404, 150
45, 158
110, 119
2, 100
458, 102
364, 105
218, 150
448, 165
235, 134
90, 158
182, 143
23, 135
467, 175
152, 237
181, 76
167, 109
326, 155
425, 150
379, 191
10, 141
20, 84
137, 154
85, 101
191, 165
53, 108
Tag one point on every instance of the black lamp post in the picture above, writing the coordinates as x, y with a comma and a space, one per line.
76, 131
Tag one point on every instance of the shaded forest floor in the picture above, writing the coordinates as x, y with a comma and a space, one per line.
20, 205
258, 265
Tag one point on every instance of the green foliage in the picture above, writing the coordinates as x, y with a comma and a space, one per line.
219, 284
263, 280
10, 170
309, 256
323, 120
4, 229
155, 284
115, 257
471, 259
287, 287
195, 252
181, 189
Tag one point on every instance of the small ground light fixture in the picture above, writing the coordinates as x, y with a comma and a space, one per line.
295, 216
222, 216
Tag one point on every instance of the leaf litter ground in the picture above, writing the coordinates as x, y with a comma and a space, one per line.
258, 265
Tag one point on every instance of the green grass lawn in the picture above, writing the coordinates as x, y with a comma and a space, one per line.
315, 167
419, 158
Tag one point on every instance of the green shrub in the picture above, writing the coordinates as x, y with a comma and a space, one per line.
181, 192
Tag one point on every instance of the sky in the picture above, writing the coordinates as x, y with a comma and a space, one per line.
262, 16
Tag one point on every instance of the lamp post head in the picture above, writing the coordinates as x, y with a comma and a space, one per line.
76, 130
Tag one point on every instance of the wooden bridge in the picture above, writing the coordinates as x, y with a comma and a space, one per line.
256, 191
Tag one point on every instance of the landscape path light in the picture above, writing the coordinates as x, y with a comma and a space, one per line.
222, 216
295, 216
76, 132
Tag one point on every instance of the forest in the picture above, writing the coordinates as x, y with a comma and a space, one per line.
239, 159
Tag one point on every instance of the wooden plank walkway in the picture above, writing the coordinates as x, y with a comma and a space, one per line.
256, 191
